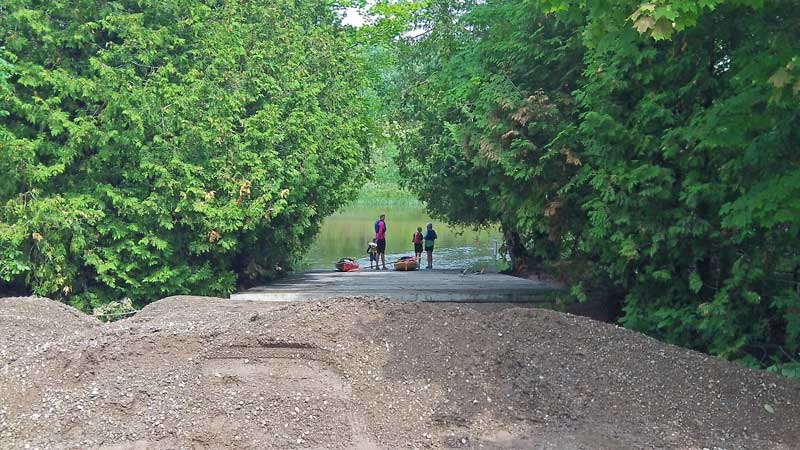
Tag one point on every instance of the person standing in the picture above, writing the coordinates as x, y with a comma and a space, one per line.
417, 240
430, 237
372, 251
380, 239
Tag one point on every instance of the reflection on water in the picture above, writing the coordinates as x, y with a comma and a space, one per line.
348, 232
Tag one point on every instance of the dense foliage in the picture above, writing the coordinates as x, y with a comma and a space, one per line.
158, 147
651, 148
647, 151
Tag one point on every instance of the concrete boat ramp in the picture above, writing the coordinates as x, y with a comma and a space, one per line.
421, 285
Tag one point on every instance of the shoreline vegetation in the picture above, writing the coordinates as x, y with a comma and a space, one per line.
384, 193
347, 232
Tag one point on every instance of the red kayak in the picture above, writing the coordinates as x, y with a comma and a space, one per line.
347, 265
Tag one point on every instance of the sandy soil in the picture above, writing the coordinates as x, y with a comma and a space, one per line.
366, 374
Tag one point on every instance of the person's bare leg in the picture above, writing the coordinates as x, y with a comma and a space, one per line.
383, 260
430, 259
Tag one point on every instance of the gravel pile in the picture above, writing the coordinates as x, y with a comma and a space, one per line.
363, 373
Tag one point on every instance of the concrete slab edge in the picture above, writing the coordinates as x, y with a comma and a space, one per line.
538, 297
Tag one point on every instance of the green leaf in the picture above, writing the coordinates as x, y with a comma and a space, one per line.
695, 282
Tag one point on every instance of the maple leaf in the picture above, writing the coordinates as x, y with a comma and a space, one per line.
663, 29
644, 23
644, 7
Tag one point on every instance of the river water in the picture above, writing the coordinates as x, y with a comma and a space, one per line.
348, 232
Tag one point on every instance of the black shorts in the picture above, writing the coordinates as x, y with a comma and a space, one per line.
418, 248
381, 245
429, 249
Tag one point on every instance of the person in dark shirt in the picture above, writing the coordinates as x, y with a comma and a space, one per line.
430, 237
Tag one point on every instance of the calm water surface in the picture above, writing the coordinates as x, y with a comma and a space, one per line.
348, 232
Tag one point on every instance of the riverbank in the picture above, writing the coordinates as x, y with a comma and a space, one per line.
348, 232
362, 373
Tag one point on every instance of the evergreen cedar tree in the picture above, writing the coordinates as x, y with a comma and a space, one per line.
647, 151
162, 147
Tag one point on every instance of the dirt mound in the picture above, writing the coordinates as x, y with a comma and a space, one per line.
200, 373
31, 325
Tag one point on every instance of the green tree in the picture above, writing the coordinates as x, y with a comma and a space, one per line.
490, 134
691, 153
651, 144
166, 147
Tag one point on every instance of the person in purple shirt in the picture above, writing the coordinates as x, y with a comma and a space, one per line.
380, 238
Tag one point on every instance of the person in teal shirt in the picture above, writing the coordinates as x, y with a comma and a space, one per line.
430, 237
